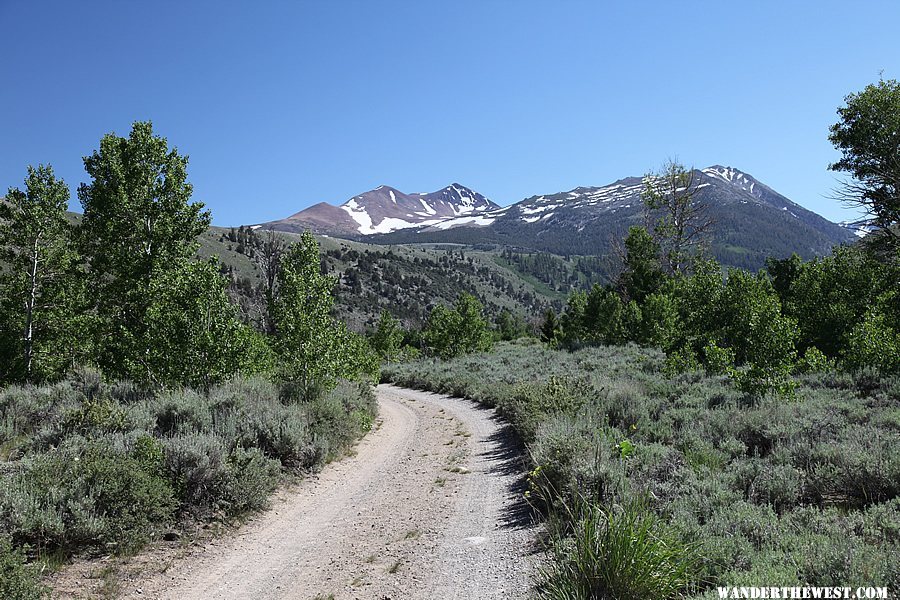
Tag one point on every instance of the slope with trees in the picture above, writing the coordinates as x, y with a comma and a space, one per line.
136, 398
692, 425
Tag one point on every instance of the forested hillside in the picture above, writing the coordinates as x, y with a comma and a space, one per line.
408, 280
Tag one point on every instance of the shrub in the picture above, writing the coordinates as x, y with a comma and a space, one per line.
283, 433
251, 478
815, 361
532, 403
98, 413
340, 418
17, 579
134, 503
682, 360
181, 412
791, 493
94, 497
577, 457
91, 465
195, 464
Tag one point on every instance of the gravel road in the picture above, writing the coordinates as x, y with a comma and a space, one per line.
430, 506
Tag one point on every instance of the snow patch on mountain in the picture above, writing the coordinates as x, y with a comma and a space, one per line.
359, 214
734, 177
386, 209
472, 221
860, 228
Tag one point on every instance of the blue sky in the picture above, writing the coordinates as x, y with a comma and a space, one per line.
284, 104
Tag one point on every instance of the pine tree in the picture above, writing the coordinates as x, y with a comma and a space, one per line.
551, 330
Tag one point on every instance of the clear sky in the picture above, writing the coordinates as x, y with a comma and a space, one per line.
284, 104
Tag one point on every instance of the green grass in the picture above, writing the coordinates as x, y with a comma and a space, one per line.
623, 553
763, 491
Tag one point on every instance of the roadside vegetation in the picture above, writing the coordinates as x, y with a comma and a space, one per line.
690, 427
136, 400
107, 466
631, 463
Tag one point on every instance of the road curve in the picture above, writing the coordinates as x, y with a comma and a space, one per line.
430, 506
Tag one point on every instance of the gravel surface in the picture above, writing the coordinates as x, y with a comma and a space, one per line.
430, 506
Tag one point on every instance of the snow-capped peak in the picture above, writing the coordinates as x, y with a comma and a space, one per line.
734, 177
386, 209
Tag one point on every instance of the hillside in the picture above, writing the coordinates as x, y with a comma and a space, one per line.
752, 221
406, 280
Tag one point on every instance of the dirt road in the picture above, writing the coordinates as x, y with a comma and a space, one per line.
429, 507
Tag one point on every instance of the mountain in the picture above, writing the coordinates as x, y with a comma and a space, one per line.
386, 209
752, 221
860, 228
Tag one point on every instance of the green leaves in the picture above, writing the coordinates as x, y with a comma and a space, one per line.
154, 314
868, 137
40, 286
626, 553
625, 448
387, 337
875, 341
460, 330
735, 325
139, 225
198, 339
313, 349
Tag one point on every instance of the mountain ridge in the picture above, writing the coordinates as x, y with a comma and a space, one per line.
386, 209
753, 220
